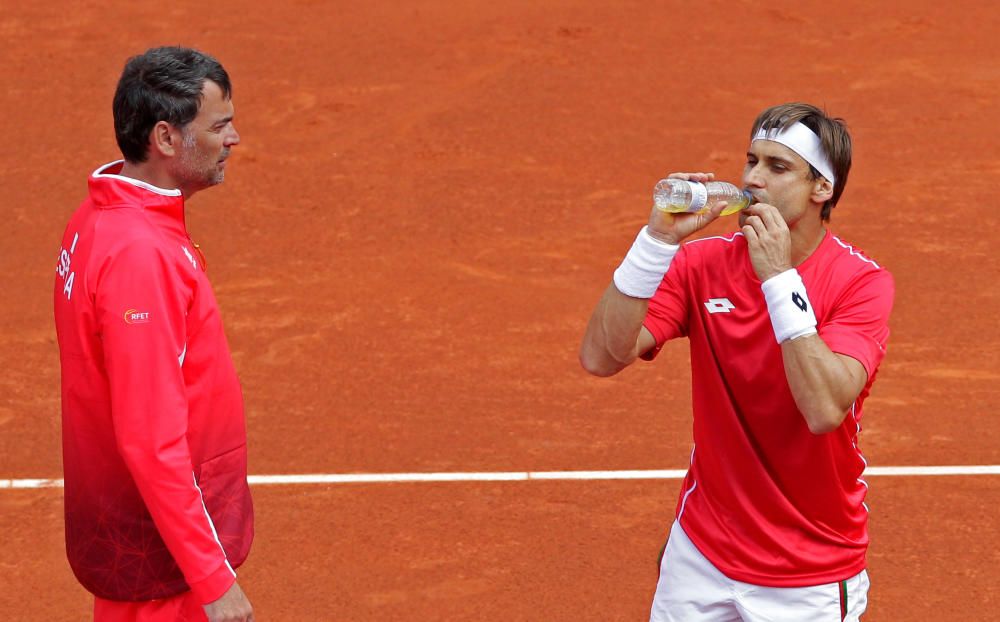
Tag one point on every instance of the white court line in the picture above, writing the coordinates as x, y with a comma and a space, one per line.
513, 476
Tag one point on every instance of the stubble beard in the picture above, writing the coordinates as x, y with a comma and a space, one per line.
202, 174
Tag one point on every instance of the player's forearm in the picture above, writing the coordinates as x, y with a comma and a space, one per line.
822, 384
611, 341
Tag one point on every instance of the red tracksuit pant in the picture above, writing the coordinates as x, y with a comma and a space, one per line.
181, 608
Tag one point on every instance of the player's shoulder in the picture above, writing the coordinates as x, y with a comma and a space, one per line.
716, 243
715, 249
847, 264
126, 231
851, 257
127, 241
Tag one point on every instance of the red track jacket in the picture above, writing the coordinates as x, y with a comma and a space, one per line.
154, 438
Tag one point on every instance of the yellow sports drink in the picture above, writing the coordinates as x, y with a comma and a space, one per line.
679, 196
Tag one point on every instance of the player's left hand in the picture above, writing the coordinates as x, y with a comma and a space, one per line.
768, 240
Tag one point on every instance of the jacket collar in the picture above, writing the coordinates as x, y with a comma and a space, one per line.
111, 171
110, 189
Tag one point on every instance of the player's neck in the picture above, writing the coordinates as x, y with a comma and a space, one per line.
150, 173
806, 238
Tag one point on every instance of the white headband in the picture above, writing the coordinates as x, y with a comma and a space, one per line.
804, 142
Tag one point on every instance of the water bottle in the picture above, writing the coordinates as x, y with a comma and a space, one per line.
677, 195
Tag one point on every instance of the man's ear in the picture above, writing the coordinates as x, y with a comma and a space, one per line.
165, 139
822, 190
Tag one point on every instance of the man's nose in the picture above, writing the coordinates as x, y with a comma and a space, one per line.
233, 138
753, 177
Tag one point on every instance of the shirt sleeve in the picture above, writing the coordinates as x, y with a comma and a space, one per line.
142, 304
667, 316
858, 326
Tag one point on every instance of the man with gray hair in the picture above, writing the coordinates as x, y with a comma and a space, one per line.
158, 510
787, 326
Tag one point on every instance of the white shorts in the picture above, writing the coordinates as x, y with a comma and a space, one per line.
691, 589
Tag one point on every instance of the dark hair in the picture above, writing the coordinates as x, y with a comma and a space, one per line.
164, 84
832, 134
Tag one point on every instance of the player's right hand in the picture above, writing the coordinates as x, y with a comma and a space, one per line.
233, 606
673, 228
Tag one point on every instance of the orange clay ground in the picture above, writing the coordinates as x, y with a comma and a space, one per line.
428, 200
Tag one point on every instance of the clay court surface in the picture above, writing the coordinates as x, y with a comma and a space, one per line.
427, 202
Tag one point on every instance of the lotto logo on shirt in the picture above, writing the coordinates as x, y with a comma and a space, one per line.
136, 317
719, 305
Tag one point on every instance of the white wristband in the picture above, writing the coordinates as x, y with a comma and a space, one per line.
643, 268
788, 304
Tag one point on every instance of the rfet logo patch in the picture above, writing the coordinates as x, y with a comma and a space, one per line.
133, 316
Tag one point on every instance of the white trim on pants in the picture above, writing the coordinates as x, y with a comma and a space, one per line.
691, 589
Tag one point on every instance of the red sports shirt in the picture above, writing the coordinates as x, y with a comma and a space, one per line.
154, 438
766, 500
